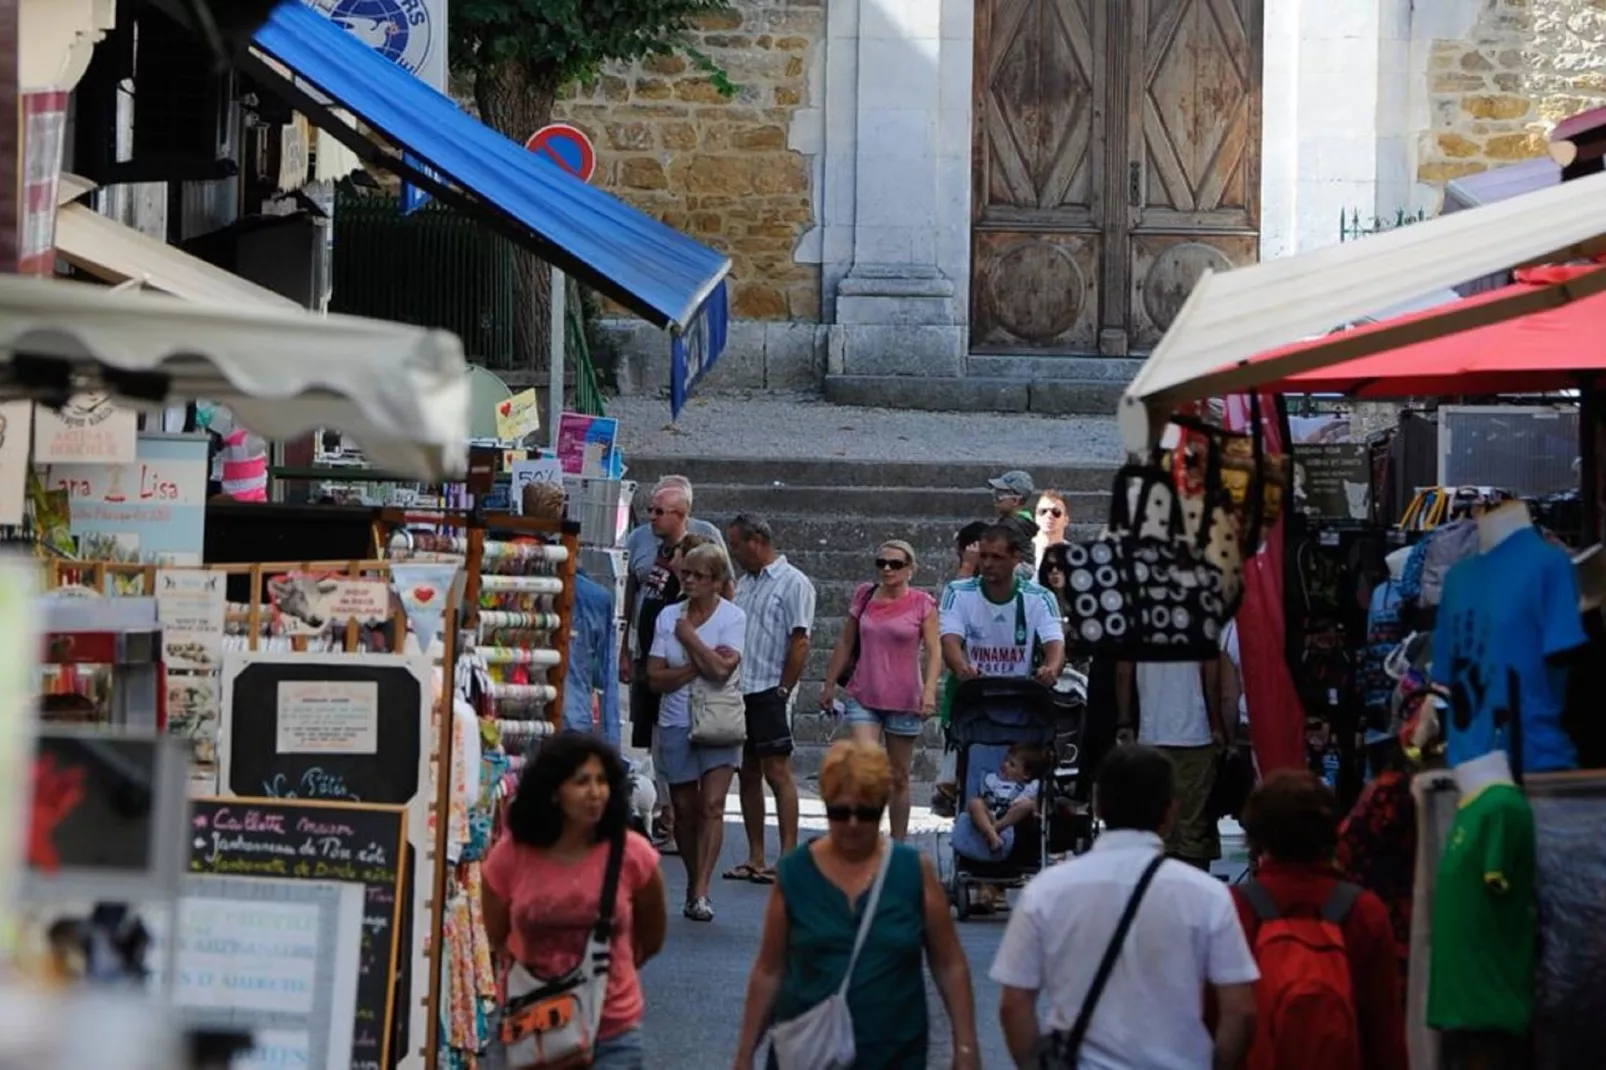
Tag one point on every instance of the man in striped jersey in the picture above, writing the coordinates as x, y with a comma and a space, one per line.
993, 622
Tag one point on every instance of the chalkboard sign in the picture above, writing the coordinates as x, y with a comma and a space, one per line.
1334, 479
347, 730
325, 842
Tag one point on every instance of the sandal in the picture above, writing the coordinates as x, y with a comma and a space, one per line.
744, 871
700, 909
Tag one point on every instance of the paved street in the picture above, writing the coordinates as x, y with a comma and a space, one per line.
696, 988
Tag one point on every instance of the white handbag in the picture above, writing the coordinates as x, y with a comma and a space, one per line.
718, 712
821, 1038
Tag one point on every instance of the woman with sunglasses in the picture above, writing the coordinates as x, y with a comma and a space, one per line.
1052, 516
890, 689
813, 920
700, 637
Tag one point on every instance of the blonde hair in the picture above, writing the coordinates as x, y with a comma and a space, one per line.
854, 769
712, 558
903, 548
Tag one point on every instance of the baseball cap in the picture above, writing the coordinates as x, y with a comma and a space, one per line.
1013, 482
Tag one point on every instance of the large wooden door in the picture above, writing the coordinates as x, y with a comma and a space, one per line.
1116, 157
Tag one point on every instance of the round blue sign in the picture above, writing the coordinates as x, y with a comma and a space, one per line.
399, 30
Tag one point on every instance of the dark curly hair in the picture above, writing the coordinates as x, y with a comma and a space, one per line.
1293, 817
534, 818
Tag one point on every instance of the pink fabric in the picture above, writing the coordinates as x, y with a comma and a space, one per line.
888, 675
1276, 717
553, 907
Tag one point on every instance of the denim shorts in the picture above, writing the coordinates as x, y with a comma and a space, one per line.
892, 722
680, 761
622, 1052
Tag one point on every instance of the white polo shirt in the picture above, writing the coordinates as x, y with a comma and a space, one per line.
1186, 934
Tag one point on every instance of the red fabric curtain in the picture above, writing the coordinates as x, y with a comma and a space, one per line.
1276, 718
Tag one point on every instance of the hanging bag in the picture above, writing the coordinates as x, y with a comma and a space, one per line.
821, 1038
551, 1023
718, 712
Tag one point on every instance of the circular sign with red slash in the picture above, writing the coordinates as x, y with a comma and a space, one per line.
568, 147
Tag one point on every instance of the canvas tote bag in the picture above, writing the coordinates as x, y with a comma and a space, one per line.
821, 1038
718, 712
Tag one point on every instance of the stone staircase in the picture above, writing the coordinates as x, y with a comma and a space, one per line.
829, 517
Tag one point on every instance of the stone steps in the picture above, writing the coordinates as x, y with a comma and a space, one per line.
724, 500
763, 472
1051, 397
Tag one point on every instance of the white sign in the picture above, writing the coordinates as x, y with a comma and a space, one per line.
260, 957
89, 429
409, 33
190, 605
545, 470
16, 436
326, 717
308, 603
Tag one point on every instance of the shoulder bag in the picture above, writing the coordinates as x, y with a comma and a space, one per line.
821, 1038
718, 711
1062, 1051
550, 1023
857, 610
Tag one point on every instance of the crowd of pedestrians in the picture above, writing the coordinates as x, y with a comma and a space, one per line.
1129, 956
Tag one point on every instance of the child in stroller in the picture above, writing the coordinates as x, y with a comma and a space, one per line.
985, 832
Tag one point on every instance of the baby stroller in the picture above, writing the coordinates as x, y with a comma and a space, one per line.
990, 715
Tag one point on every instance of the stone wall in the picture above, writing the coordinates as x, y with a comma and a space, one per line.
1495, 94
736, 172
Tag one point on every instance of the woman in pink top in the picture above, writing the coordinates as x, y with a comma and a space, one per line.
542, 889
890, 692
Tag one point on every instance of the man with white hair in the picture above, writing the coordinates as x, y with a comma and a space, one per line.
650, 587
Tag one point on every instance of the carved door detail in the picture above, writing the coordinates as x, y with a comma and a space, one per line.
1116, 156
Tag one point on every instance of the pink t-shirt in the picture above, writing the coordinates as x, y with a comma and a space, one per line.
553, 906
888, 674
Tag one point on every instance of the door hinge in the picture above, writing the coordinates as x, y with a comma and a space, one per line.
1135, 185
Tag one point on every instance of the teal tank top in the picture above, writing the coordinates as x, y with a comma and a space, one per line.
888, 993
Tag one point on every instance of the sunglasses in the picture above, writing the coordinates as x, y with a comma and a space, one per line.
865, 815
660, 511
1049, 510
1000, 495
890, 563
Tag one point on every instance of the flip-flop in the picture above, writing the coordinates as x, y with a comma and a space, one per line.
742, 872
763, 876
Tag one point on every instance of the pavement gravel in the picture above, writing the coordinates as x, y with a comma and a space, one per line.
792, 426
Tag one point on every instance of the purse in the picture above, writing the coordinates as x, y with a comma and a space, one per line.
821, 1038
551, 1023
718, 712
858, 608
1062, 1051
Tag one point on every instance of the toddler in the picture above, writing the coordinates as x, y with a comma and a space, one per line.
985, 832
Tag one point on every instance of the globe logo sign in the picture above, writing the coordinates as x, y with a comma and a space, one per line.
399, 30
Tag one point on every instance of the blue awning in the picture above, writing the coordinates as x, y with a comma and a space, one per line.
652, 269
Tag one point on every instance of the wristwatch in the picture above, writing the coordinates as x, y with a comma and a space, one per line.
783, 691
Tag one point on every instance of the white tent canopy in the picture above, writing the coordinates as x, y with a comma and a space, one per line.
401, 391
1232, 317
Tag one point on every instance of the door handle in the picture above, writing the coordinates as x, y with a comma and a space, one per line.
1135, 184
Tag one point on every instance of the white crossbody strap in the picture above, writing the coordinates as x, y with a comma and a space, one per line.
869, 914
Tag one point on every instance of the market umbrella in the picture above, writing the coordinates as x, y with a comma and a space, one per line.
1560, 347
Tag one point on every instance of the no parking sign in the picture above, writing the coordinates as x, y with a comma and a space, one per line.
566, 146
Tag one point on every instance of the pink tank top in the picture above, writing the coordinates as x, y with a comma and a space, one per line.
888, 674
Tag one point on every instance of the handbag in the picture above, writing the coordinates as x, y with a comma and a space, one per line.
718, 712
551, 1023
1062, 1050
857, 610
821, 1038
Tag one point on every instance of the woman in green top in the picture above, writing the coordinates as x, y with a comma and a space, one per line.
814, 914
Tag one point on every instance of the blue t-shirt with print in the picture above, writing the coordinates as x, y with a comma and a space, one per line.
1504, 615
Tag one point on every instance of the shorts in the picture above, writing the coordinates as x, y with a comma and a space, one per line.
769, 728
893, 722
683, 762
1194, 836
623, 1051
968, 842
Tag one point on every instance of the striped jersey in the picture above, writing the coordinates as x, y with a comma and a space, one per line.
999, 636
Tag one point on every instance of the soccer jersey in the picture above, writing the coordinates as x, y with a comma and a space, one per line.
1485, 917
999, 636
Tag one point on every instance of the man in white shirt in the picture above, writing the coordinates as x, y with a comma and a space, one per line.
1184, 936
992, 622
1179, 711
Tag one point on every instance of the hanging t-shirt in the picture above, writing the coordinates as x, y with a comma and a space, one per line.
999, 636
1504, 614
1485, 917
1385, 631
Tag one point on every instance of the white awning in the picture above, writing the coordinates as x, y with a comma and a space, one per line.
401, 391
1233, 316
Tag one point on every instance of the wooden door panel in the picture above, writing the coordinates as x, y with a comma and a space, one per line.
1035, 291
1038, 174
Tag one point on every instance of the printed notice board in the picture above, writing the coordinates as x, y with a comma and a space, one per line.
364, 845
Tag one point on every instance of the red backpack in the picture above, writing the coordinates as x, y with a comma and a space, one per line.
1306, 996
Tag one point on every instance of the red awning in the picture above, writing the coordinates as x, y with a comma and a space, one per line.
1559, 348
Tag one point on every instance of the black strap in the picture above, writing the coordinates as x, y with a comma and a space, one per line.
1069, 1045
1335, 910
1260, 899
610, 888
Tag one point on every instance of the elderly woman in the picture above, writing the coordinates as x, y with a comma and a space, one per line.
542, 890
700, 637
813, 918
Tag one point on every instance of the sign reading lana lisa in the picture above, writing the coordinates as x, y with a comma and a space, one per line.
159, 500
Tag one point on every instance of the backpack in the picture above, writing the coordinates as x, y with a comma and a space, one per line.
1305, 992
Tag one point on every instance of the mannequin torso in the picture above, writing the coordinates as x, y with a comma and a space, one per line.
1500, 523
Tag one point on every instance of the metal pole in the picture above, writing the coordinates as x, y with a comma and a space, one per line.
10, 138
554, 403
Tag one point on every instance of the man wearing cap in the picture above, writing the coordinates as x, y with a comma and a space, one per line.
1012, 492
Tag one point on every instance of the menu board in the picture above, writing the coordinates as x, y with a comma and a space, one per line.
1334, 480
288, 839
